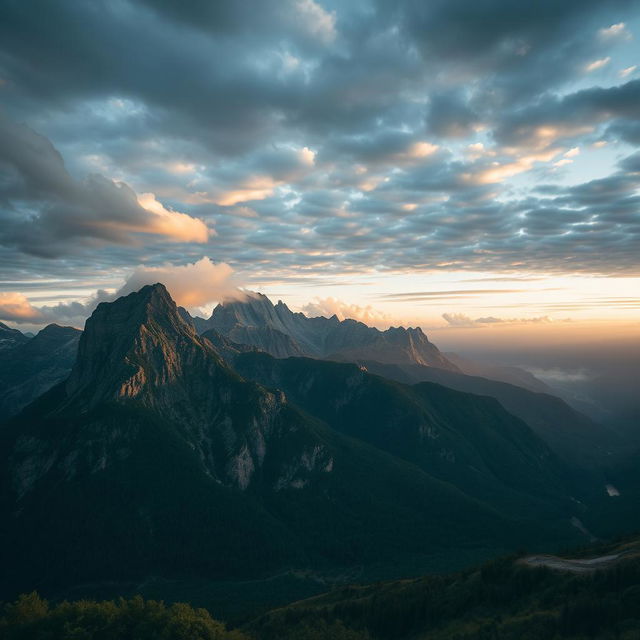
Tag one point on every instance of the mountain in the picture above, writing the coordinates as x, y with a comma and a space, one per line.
10, 338
277, 330
572, 436
464, 439
35, 365
154, 458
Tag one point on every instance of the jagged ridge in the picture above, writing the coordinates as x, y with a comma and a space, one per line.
283, 333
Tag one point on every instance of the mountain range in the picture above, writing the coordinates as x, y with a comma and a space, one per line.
277, 330
159, 456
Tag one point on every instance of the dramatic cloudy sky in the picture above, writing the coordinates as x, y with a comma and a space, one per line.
455, 163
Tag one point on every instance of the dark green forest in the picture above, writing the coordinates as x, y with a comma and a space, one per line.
504, 599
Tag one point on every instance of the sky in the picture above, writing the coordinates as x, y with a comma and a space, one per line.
470, 166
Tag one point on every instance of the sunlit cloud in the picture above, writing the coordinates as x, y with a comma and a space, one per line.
177, 226
463, 321
626, 72
615, 31
499, 172
328, 307
597, 64
17, 308
190, 285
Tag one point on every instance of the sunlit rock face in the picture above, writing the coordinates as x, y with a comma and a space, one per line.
139, 352
283, 333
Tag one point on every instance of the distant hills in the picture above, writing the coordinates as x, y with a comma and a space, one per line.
10, 338
156, 458
31, 366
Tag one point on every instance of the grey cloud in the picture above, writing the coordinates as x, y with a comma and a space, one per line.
450, 115
44, 210
236, 89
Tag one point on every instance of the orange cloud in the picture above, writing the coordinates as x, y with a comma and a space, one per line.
190, 285
176, 226
15, 306
332, 306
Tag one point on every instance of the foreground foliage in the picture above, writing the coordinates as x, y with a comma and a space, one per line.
502, 600
32, 618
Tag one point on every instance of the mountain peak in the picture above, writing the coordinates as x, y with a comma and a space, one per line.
129, 343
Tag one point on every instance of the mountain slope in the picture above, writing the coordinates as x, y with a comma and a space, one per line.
571, 435
502, 373
35, 365
10, 338
469, 441
275, 329
155, 458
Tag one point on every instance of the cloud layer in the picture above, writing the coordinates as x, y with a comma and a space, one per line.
320, 137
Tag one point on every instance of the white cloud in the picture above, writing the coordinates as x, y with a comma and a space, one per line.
597, 64
460, 320
190, 285
15, 307
624, 73
176, 226
618, 30
318, 22
332, 306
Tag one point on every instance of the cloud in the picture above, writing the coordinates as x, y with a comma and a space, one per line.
597, 64
176, 226
328, 307
331, 138
190, 285
615, 31
46, 210
319, 22
461, 320
15, 307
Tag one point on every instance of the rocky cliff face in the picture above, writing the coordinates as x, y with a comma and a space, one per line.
140, 350
278, 331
